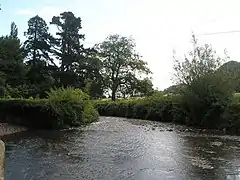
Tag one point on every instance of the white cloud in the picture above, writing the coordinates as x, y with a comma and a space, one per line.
25, 12
48, 12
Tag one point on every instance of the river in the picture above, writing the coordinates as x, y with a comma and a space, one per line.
122, 149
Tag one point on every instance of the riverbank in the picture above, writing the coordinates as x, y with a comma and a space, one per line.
63, 108
7, 129
172, 109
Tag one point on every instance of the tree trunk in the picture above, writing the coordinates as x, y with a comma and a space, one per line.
34, 45
113, 94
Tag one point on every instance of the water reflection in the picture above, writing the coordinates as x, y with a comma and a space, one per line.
116, 148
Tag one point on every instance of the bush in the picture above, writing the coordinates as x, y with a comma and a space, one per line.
206, 99
173, 108
72, 106
156, 108
62, 108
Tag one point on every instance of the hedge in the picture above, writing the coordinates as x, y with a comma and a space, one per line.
166, 109
160, 108
63, 108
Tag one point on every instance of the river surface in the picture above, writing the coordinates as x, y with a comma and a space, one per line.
122, 149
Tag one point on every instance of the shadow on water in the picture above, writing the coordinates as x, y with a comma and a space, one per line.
116, 148
215, 157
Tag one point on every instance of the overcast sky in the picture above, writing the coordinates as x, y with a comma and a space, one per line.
158, 26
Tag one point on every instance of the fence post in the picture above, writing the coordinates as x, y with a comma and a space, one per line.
2, 158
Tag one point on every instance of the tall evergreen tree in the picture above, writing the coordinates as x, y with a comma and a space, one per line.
38, 48
70, 50
12, 69
14, 30
39, 42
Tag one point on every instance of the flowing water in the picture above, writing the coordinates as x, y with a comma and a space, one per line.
119, 149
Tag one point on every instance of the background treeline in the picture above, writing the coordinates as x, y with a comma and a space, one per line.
111, 68
205, 91
205, 94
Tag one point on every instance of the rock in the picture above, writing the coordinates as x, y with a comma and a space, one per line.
224, 130
169, 129
188, 130
216, 143
153, 128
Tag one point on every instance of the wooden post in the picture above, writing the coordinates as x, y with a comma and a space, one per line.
2, 157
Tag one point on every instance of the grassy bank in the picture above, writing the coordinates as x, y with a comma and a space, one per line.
63, 108
171, 108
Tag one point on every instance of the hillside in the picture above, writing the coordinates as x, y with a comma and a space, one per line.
231, 66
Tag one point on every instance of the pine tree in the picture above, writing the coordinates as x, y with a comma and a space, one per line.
38, 45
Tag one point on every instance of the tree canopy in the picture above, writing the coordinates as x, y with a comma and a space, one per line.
122, 65
46, 60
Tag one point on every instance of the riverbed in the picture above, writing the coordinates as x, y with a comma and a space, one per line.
122, 149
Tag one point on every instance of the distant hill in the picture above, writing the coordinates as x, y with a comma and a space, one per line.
174, 89
231, 66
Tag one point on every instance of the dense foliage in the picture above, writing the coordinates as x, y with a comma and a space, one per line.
45, 60
62, 108
172, 108
156, 108
202, 96
65, 75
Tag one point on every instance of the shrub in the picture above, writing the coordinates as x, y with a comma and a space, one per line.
72, 106
63, 107
222, 114
66, 94
205, 100
157, 108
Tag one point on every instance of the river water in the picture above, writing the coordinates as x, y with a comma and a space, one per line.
122, 149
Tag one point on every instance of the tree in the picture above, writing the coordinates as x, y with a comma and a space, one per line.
90, 74
202, 60
39, 48
206, 92
10, 49
144, 87
70, 51
38, 45
14, 30
12, 69
121, 62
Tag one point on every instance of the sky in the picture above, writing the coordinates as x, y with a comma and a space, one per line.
158, 26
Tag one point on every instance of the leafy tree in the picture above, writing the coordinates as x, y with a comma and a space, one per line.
14, 30
144, 87
202, 60
39, 43
12, 69
10, 49
40, 79
121, 62
136, 87
206, 92
90, 74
